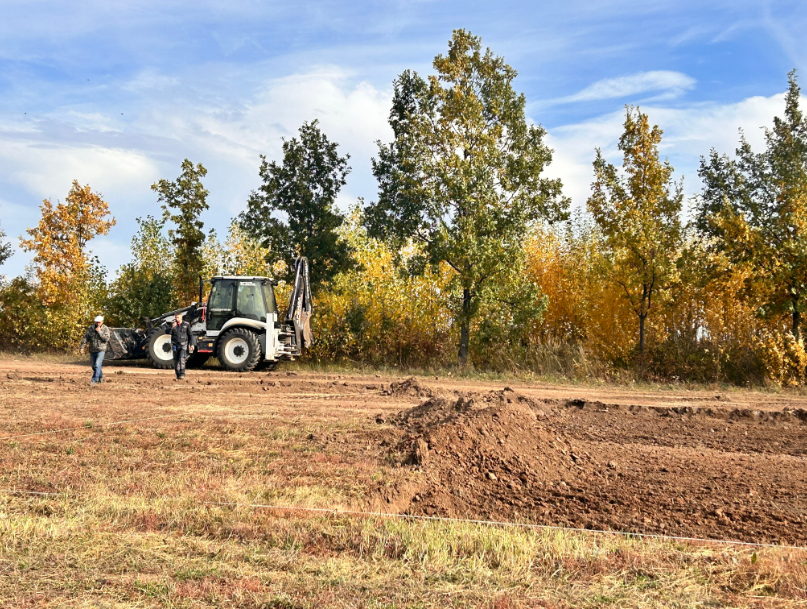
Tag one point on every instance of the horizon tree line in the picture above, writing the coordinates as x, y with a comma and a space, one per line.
461, 185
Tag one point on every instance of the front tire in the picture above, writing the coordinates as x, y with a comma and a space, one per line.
159, 350
239, 350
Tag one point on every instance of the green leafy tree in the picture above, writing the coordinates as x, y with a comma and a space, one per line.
754, 208
144, 286
21, 315
463, 174
183, 201
293, 212
639, 215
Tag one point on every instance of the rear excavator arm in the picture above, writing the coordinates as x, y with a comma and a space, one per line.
300, 307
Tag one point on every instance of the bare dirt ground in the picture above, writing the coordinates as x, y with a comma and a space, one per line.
727, 465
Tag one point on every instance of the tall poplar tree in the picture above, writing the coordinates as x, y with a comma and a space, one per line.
639, 215
463, 175
294, 210
755, 209
184, 199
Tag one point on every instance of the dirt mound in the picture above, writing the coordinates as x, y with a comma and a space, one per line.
473, 445
408, 387
505, 456
508, 396
748, 415
439, 410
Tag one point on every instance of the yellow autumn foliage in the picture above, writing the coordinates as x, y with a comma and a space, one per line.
554, 313
378, 312
50, 308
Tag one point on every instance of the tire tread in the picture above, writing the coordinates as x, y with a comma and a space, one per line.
254, 350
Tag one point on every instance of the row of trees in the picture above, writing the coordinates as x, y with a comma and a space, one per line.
469, 251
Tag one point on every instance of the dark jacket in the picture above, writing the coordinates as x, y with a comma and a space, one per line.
181, 335
98, 341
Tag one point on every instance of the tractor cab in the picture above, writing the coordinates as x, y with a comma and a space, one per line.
249, 298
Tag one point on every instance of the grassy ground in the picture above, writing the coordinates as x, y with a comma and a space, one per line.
109, 552
137, 520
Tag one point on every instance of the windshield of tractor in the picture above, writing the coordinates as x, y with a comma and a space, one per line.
250, 301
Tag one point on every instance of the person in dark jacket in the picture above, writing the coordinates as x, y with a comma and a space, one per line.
182, 343
97, 337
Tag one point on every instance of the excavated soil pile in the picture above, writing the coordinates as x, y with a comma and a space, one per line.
480, 452
408, 387
504, 456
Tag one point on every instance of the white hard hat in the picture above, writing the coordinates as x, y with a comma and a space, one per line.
99, 318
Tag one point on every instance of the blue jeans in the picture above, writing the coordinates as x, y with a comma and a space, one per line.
96, 360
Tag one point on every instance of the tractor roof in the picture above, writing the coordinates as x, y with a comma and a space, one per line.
244, 278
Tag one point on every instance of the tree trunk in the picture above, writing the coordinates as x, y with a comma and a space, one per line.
641, 335
796, 322
465, 327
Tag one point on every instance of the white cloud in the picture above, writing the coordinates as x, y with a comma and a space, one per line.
689, 133
232, 135
47, 170
122, 159
668, 83
786, 23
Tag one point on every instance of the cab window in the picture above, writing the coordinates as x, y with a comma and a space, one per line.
220, 304
269, 297
249, 303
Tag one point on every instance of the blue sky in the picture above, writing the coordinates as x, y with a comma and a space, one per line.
117, 94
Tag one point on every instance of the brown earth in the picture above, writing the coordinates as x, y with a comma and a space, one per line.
716, 472
727, 465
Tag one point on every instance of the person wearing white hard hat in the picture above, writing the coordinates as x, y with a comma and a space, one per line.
97, 337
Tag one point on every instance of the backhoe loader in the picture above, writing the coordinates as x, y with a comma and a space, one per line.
239, 325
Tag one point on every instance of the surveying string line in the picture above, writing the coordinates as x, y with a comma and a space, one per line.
441, 519
101, 425
13, 491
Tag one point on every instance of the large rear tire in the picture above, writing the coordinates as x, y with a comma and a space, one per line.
159, 350
239, 350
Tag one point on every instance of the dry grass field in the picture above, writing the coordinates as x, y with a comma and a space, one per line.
157, 493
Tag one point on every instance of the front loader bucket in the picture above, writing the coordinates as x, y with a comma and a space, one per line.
126, 343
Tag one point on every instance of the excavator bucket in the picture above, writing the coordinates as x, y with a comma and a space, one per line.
300, 306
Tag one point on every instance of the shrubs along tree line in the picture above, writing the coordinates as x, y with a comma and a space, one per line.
470, 254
